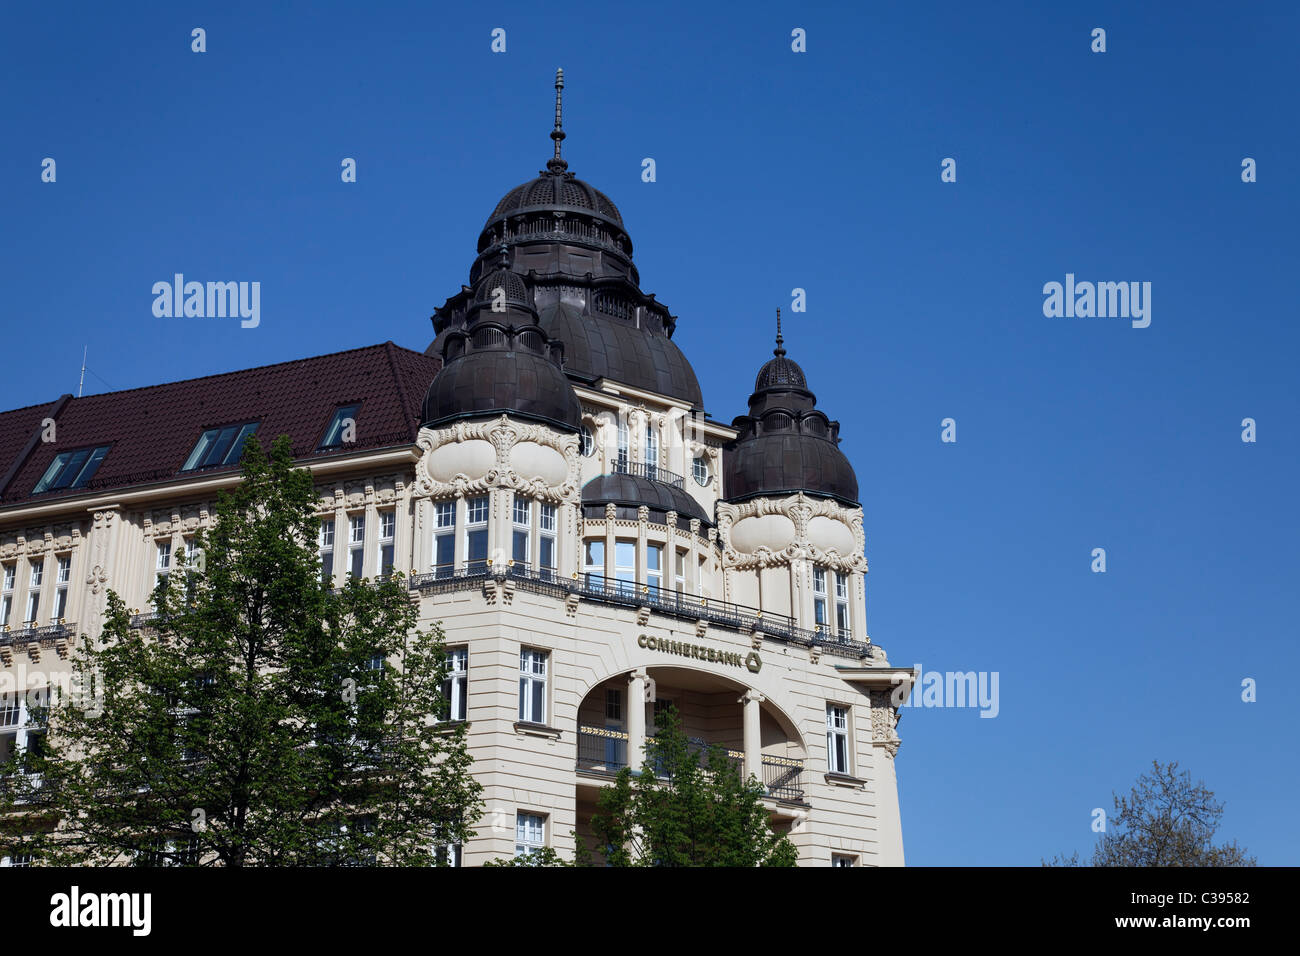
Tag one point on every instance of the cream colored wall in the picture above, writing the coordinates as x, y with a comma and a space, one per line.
111, 541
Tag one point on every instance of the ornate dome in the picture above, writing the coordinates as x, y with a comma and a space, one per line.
556, 188
632, 491
558, 248
780, 371
501, 380
596, 348
516, 292
786, 444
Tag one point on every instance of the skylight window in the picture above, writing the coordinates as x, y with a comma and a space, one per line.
71, 469
219, 446
343, 427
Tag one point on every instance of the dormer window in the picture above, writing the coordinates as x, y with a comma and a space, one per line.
71, 469
342, 428
220, 446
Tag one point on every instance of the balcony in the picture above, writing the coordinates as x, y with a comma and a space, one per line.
640, 469
596, 587
604, 751
30, 633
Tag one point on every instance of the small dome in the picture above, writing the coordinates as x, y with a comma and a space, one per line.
780, 372
495, 381
632, 491
785, 463
785, 444
516, 292
555, 188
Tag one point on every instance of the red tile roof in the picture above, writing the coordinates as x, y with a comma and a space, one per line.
152, 430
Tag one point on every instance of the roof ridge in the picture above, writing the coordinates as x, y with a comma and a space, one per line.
239, 371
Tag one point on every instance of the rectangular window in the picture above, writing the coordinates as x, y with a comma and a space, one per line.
532, 686
34, 589
387, 529
71, 469
455, 687
625, 565
8, 574
530, 833
476, 533
819, 597
654, 565
444, 538
192, 570
546, 538
219, 446
840, 859
651, 452
837, 739
342, 427
521, 530
356, 545
843, 630
326, 548
61, 579
613, 704
680, 577
593, 561
447, 854
620, 463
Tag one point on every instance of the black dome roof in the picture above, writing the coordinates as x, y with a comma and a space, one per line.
556, 188
633, 491
786, 444
494, 381
639, 356
784, 463
558, 248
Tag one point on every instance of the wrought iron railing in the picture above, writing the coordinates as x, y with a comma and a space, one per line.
597, 587
783, 778
640, 469
604, 750
29, 633
601, 750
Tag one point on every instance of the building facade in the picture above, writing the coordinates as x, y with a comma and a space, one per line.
595, 546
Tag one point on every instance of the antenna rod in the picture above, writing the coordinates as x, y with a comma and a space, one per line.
84, 350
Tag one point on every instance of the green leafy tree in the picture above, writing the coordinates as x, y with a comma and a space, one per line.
687, 808
1165, 820
260, 719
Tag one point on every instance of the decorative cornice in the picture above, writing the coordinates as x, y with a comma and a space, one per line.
800, 509
503, 433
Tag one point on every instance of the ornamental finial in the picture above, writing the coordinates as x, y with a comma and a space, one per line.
556, 164
779, 350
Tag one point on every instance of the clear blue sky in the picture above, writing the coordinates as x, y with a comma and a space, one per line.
779, 170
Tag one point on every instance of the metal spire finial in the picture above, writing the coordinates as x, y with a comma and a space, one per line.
779, 350
557, 164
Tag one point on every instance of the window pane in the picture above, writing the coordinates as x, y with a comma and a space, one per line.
200, 449
519, 548
91, 466
546, 552
477, 548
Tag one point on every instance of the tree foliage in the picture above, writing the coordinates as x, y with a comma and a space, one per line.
687, 808
1164, 820
261, 718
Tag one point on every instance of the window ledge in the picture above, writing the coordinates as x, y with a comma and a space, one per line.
450, 726
845, 780
536, 730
